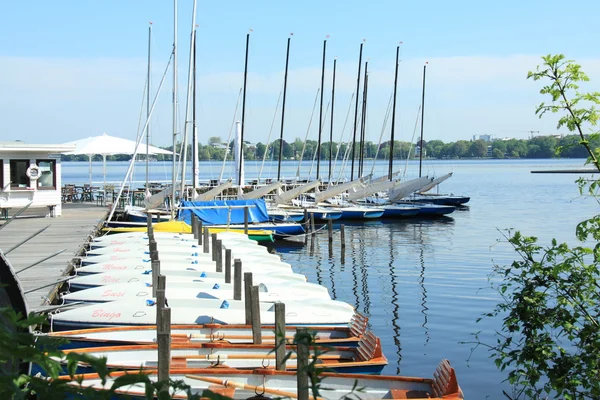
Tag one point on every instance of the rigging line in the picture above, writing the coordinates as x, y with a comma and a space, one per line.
306, 137
346, 150
269, 137
342, 134
384, 125
412, 140
237, 104
162, 81
317, 151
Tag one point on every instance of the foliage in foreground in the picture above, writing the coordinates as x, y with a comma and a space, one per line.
43, 351
549, 341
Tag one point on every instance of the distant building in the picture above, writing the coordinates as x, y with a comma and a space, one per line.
485, 138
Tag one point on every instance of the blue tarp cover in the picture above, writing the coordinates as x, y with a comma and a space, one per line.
218, 216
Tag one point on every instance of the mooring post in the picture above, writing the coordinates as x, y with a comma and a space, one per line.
343, 236
194, 221
149, 229
200, 231
330, 230
152, 245
312, 224
213, 242
306, 226
219, 248
205, 244
155, 265
280, 336
302, 363
246, 212
247, 296
154, 255
255, 311
227, 265
163, 339
237, 279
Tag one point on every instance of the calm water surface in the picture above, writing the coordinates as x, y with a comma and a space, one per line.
424, 283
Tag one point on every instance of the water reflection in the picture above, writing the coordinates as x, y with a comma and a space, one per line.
388, 275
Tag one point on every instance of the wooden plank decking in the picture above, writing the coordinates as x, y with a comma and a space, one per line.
69, 231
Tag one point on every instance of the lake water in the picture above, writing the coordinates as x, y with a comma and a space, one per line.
424, 283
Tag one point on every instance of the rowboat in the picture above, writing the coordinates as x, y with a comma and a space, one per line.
238, 384
365, 358
185, 250
200, 311
103, 279
146, 334
181, 227
136, 265
268, 292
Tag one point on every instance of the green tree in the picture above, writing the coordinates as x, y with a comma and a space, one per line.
434, 148
478, 148
549, 340
497, 153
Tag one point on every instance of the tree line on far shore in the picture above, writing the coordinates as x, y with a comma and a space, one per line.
538, 147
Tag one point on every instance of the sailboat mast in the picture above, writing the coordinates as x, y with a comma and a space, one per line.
391, 167
243, 110
422, 119
174, 177
356, 110
321, 109
194, 127
148, 108
287, 59
331, 127
363, 122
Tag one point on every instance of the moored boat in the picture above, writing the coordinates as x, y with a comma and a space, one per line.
238, 385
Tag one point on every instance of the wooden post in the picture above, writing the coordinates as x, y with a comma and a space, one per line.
161, 283
247, 296
255, 308
306, 226
330, 230
302, 365
312, 224
213, 242
237, 279
194, 226
163, 339
154, 255
206, 241
200, 231
219, 248
343, 247
246, 213
149, 229
279, 336
155, 273
152, 245
227, 265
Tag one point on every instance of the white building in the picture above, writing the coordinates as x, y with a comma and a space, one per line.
31, 173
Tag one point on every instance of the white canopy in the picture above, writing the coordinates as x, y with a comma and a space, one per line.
107, 145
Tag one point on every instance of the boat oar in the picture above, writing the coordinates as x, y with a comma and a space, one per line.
244, 386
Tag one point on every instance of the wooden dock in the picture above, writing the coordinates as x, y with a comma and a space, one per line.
68, 232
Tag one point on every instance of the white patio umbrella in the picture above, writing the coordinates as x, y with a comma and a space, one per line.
107, 145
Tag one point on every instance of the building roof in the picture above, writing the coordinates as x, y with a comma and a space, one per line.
19, 146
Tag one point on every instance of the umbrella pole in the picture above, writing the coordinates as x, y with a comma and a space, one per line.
90, 168
104, 172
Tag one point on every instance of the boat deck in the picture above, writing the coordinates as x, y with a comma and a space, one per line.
68, 232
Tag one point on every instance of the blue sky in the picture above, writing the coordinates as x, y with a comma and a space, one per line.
71, 69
